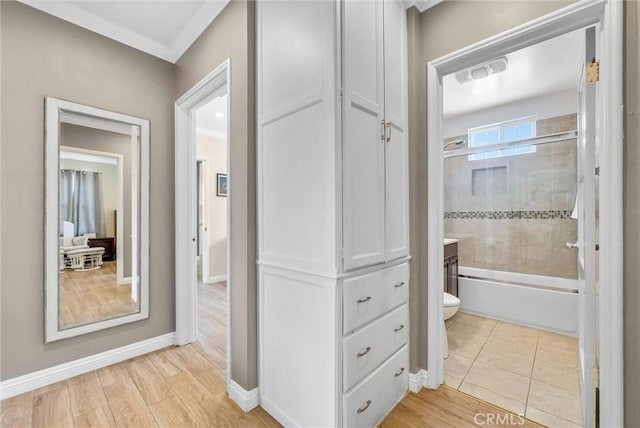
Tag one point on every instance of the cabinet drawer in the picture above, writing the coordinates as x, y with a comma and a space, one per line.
367, 349
375, 396
368, 296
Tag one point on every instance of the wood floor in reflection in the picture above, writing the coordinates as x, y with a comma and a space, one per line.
93, 295
185, 387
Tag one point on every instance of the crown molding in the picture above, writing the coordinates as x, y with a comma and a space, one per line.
68, 11
421, 5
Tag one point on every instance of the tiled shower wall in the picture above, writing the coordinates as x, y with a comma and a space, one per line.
513, 213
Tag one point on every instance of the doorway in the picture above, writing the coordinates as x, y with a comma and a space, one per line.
511, 163
203, 223
211, 221
492, 177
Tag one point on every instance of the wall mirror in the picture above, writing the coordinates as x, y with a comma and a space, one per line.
97, 217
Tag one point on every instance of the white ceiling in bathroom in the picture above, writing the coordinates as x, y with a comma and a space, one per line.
211, 119
163, 28
544, 68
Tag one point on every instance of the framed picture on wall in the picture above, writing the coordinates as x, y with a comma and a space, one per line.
221, 189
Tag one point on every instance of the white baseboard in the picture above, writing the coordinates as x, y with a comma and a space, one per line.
217, 278
277, 414
247, 400
417, 381
21, 384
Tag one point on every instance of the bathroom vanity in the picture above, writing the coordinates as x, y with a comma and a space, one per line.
451, 266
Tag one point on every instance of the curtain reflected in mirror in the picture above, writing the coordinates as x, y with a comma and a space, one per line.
97, 219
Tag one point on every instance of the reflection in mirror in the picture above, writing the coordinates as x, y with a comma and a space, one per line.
101, 240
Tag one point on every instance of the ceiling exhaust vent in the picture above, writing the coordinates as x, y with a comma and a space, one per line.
483, 70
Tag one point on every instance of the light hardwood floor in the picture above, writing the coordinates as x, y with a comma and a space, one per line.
173, 387
185, 386
93, 295
446, 407
180, 387
212, 320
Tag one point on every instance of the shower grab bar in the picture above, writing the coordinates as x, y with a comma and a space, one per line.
534, 141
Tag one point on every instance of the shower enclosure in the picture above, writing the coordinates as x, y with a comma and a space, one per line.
509, 200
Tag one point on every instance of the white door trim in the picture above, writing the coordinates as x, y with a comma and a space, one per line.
577, 15
185, 197
204, 255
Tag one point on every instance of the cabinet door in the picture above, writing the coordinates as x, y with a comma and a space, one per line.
362, 143
397, 156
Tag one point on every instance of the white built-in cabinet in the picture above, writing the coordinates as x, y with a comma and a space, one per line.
333, 238
374, 110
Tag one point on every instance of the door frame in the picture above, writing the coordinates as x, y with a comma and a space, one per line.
610, 323
119, 209
205, 176
185, 200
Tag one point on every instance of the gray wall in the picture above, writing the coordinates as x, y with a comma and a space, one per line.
44, 56
231, 35
632, 219
445, 28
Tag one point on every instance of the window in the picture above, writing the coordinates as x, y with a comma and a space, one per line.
503, 132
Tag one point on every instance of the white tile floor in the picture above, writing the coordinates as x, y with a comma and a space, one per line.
524, 370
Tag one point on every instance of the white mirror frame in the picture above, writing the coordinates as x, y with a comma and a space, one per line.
106, 120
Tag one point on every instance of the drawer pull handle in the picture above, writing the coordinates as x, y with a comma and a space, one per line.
366, 351
399, 328
398, 285
366, 299
399, 372
365, 407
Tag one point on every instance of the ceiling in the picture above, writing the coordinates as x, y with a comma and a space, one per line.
211, 119
162, 28
551, 66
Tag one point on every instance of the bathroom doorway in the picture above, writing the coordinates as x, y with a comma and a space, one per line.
509, 164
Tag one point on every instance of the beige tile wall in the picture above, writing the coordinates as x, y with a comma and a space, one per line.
541, 181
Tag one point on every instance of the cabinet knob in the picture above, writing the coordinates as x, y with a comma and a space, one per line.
399, 372
399, 328
366, 299
362, 354
399, 284
365, 407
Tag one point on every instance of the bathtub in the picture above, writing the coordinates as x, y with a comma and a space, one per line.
543, 302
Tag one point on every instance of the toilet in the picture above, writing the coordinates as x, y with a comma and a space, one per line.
451, 306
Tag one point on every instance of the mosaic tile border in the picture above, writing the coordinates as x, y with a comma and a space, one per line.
510, 215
